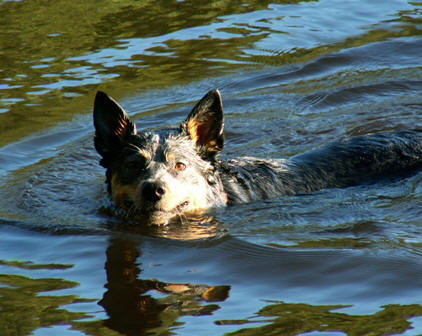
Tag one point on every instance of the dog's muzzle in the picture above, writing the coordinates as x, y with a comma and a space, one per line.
152, 191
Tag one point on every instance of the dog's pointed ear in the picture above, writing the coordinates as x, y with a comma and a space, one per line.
112, 125
205, 123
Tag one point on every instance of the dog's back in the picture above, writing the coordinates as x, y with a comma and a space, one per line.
339, 164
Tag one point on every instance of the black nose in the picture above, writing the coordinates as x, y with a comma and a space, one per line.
153, 191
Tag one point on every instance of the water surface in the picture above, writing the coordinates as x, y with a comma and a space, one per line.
294, 76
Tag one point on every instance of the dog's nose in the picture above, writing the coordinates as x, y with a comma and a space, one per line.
153, 190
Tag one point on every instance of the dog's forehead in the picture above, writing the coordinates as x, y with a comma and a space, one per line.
155, 138
174, 145
153, 141
151, 137
161, 145
179, 145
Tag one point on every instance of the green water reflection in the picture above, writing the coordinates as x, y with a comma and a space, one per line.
55, 54
24, 306
130, 302
293, 319
40, 82
132, 310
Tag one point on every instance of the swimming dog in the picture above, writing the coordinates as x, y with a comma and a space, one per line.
154, 177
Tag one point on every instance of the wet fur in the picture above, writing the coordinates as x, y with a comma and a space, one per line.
155, 177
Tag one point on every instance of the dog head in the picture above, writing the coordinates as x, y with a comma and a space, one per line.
154, 177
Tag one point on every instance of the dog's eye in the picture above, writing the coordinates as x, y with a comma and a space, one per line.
135, 165
180, 166
132, 165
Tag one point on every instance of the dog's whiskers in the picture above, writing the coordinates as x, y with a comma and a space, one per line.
133, 146
182, 218
131, 211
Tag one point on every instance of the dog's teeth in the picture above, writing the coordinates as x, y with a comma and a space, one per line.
181, 206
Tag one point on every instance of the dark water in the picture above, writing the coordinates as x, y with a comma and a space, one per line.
293, 75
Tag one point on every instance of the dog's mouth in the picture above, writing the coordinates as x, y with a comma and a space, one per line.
175, 211
153, 214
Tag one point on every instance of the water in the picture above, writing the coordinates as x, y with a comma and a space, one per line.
294, 76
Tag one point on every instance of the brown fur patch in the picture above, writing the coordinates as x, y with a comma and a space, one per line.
193, 128
202, 133
120, 193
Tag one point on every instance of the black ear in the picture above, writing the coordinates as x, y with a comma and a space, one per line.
205, 123
112, 126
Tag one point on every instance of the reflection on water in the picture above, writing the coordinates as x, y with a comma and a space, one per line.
134, 305
24, 305
294, 75
156, 286
51, 66
131, 308
294, 319
205, 227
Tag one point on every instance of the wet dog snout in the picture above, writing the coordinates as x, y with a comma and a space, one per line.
153, 191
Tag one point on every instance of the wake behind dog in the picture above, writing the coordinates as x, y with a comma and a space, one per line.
154, 177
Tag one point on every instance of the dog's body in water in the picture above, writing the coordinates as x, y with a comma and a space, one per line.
154, 177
